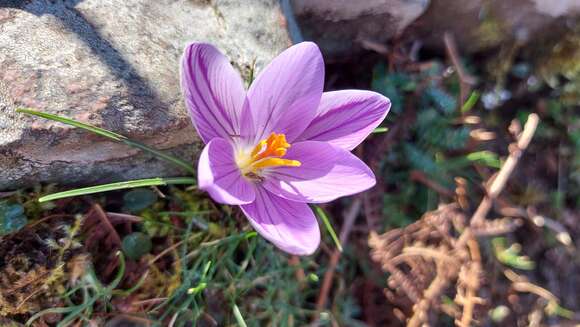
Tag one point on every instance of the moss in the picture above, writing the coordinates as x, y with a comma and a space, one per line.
560, 68
32, 272
491, 31
562, 57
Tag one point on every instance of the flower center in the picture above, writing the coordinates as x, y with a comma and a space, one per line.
267, 153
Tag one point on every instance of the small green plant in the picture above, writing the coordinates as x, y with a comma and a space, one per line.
435, 145
510, 256
209, 266
138, 199
136, 245
92, 292
12, 218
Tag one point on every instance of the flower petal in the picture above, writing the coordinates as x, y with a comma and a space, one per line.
213, 91
327, 172
284, 97
291, 226
346, 118
219, 175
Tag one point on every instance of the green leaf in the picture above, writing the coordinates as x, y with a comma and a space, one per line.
118, 186
511, 255
420, 159
12, 218
471, 101
111, 135
10, 225
136, 245
322, 215
392, 85
436, 130
395, 203
380, 130
13, 210
487, 158
139, 199
441, 99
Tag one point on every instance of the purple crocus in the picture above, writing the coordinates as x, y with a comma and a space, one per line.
280, 145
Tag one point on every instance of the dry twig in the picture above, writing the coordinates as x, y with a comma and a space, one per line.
105, 220
350, 217
499, 181
465, 80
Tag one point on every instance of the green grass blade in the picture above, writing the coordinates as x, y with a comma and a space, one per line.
240, 320
111, 135
471, 101
77, 313
90, 128
125, 293
118, 186
176, 161
322, 215
380, 130
485, 157
120, 272
48, 311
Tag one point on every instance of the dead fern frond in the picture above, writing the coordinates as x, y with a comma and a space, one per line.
425, 259
496, 227
468, 284
439, 250
431, 295
420, 259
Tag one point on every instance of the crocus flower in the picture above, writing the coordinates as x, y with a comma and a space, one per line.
281, 144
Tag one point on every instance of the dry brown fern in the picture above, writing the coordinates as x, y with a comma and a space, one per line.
439, 255
427, 257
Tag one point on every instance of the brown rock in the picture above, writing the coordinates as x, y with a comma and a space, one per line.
341, 27
113, 64
479, 25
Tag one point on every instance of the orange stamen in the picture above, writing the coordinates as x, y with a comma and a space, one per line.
268, 153
275, 145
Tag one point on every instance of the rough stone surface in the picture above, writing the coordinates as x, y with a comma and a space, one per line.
479, 25
341, 27
114, 64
